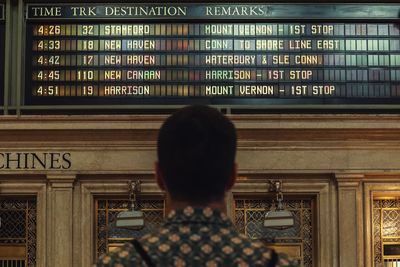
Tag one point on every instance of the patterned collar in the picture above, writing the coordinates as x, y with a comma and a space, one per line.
205, 215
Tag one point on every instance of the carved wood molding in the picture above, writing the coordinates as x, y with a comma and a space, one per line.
248, 138
254, 121
275, 131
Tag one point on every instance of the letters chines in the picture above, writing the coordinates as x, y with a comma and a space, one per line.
35, 161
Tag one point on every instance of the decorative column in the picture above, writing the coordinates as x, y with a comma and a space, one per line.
60, 220
350, 220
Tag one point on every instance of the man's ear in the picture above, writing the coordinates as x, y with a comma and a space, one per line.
232, 179
159, 176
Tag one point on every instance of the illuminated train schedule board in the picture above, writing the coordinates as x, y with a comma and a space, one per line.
222, 54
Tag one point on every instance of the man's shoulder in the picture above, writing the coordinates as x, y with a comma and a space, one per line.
254, 244
281, 259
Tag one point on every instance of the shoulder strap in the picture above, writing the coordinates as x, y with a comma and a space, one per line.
274, 259
142, 253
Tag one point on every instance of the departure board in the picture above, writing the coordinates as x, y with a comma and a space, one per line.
2, 48
223, 54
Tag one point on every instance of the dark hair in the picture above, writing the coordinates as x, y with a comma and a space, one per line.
196, 154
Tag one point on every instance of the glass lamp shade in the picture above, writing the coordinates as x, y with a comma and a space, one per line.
131, 219
279, 219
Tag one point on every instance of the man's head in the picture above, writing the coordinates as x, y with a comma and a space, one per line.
196, 155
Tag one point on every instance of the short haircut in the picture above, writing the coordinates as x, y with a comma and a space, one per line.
196, 154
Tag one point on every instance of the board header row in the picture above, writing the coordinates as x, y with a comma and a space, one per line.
200, 11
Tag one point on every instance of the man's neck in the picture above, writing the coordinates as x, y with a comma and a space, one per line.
173, 204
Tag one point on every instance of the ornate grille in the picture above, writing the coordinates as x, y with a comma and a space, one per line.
249, 219
18, 228
106, 213
386, 230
